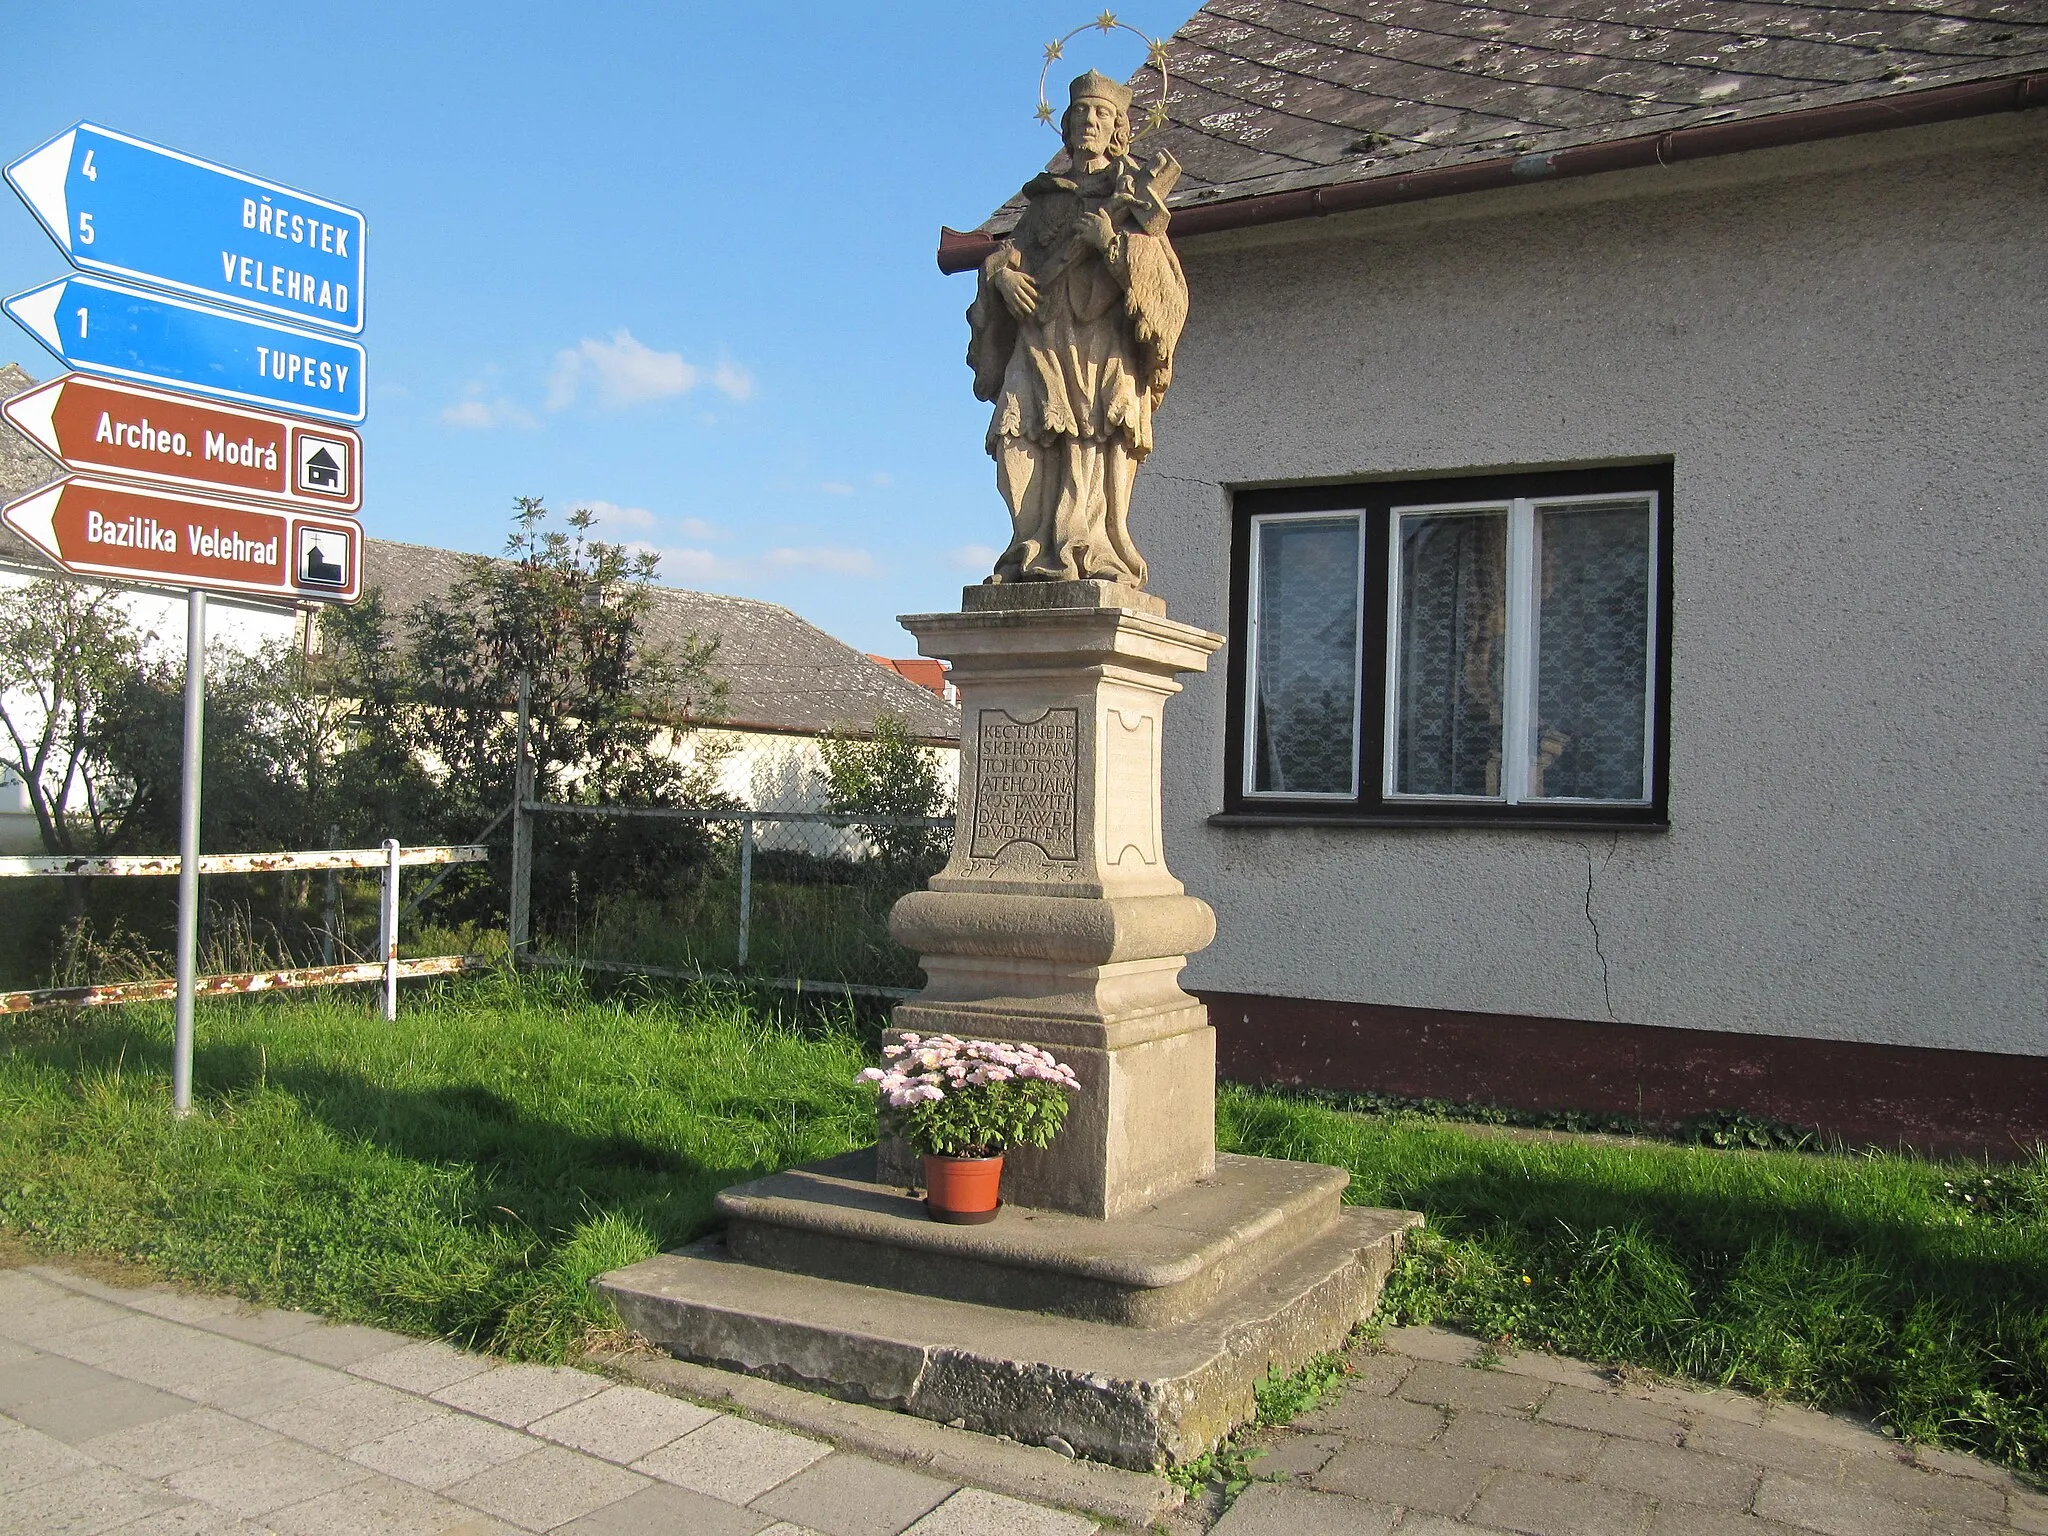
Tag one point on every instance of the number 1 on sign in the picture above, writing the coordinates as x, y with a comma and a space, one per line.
81, 322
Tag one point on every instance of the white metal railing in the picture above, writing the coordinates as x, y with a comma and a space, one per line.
389, 859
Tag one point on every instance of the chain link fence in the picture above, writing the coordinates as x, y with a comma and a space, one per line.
784, 898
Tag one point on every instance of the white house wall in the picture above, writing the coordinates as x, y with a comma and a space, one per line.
1840, 346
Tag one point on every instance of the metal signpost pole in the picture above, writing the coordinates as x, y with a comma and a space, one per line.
519, 906
188, 847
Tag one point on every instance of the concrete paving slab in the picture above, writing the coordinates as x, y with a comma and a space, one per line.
1388, 1420
193, 1308
971, 1512
340, 1344
1550, 1506
189, 1439
192, 1519
1453, 1386
436, 1452
622, 1424
1375, 1372
253, 1483
1891, 1478
1429, 1343
28, 1457
666, 1510
852, 1496
1614, 1413
42, 1376
98, 1410
1288, 1454
164, 1354
1555, 1369
258, 1325
1390, 1474
518, 1394
547, 1487
1836, 1510
1785, 1453
279, 1380
1692, 1520
96, 1499
386, 1507
87, 1285
1668, 1474
12, 1352
1271, 1509
1497, 1441
733, 1460
34, 1311
424, 1367
349, 1416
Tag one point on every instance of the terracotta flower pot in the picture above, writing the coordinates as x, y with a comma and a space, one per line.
962, 1190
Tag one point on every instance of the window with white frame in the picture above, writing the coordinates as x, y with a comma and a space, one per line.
1477, 649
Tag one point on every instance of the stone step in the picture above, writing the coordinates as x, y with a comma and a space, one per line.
1159, 1265
1134, 1397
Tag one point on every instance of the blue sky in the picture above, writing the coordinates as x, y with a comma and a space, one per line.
672, 261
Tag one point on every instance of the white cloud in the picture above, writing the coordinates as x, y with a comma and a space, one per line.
699, 528
881, 480
835, 488
625, 371
973, 557
610, 514
480, 415
841, 562
684, 565
732, 381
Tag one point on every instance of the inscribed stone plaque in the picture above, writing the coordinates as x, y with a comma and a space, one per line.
1025, 783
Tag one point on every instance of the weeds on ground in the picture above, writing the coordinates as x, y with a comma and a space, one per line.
1281, 1399
1914, 1290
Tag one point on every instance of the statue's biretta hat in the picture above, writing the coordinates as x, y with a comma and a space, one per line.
1099, 87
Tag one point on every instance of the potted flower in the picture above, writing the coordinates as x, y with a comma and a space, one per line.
961, 1104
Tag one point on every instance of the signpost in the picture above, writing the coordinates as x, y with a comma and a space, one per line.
180, 491
100, 426
124, 207
152, 338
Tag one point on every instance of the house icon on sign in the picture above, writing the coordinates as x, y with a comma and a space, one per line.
322, 471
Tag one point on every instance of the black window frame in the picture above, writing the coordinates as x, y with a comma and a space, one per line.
1374, 500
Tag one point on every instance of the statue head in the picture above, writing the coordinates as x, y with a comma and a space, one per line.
1097, 121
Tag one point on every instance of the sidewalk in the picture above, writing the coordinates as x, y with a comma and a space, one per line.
1427, 1440
156, 1411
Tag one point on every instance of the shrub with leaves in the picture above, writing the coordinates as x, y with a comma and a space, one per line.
971, 1098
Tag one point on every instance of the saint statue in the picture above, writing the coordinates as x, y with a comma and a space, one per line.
1071, 335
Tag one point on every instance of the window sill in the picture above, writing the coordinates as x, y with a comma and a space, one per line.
1432, 821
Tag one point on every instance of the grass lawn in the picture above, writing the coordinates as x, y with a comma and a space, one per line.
466, 1170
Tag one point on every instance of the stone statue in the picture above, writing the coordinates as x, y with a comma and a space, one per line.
1072, 333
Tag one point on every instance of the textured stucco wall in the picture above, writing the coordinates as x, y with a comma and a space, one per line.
1842, 346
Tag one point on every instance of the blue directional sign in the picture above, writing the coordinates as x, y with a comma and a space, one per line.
152, 338
128, 208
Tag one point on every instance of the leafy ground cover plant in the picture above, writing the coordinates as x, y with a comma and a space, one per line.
971, 1098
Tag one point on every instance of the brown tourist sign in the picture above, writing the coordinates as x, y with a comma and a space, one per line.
99, 425
95, 527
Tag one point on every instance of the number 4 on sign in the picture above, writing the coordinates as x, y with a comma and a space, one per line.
88, 170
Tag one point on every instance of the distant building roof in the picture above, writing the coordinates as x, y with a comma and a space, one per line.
921, 670
1272, 97
781, 673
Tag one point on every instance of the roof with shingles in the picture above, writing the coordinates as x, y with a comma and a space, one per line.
781, 673
1278, 95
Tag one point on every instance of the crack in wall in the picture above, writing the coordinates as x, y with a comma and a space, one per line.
1599, 949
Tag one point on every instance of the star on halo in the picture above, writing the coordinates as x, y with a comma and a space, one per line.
1106, 22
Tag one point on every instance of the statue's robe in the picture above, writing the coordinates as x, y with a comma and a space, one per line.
1075, 384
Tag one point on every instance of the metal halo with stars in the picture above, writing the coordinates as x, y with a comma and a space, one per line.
1155, 55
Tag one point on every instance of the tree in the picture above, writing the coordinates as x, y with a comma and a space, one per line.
67, 649
888, 774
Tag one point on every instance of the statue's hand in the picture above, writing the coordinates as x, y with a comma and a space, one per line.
1018, 291
1098, 231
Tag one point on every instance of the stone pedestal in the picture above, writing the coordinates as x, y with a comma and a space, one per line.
1137, 1287
1056, 922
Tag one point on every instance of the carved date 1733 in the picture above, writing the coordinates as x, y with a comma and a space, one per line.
1025, 783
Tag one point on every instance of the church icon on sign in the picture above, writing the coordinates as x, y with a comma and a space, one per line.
322, 466
325, 557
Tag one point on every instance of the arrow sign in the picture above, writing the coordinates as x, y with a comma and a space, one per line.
95, 527
147, 434
153, 338
128, 208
